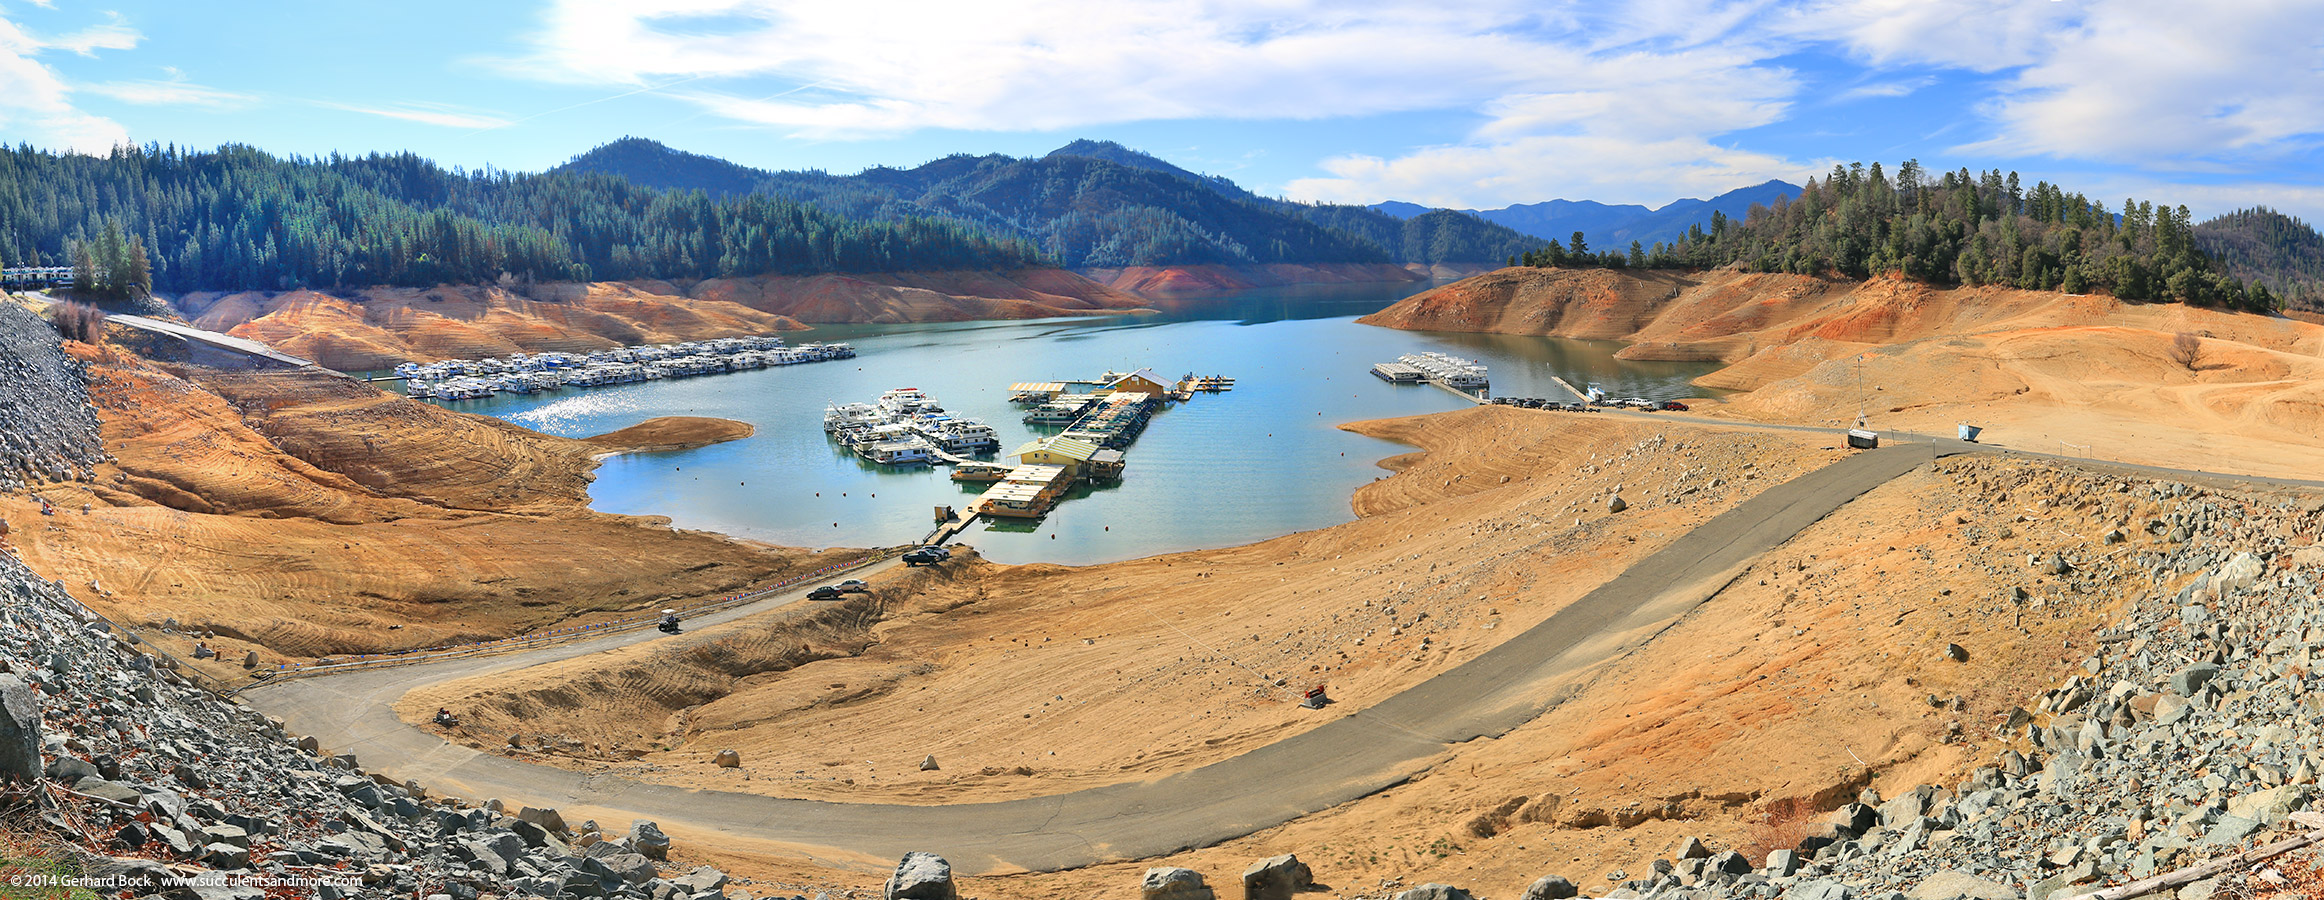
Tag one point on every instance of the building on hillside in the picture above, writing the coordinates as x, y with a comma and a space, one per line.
1064, 452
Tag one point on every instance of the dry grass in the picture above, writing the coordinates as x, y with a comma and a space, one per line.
32, 862
1780, 826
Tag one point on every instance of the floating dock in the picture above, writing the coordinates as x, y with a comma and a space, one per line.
1444, 370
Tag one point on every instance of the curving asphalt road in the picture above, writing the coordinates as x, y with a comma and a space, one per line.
1357, 754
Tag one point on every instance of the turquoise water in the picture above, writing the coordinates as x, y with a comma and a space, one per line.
1224, 469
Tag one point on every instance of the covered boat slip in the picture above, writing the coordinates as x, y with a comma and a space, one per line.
1033, 393
1028, 492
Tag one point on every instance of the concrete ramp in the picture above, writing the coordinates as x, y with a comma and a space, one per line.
212, 340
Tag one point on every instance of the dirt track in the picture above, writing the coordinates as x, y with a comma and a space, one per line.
1352, 756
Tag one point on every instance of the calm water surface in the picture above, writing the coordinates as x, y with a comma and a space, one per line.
1260, 461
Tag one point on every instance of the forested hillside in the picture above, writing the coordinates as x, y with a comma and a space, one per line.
2267, 247
1091, 204
1953, 228
238, 218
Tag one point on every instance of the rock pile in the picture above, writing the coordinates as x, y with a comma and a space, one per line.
48, 430
2192, 729
160, 780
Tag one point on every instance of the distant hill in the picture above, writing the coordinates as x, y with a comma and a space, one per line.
2271, 248
1087, 204
649, 164
1608, 225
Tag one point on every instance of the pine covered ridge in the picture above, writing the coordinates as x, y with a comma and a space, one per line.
2264, 246
240, 219
1090, 204
1952, 228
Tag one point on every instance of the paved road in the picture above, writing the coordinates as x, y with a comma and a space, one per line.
1354, 755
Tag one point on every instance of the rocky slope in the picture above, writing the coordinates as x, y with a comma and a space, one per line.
148, 779
48, 432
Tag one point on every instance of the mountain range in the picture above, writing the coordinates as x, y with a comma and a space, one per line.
1087, 204
1611, 226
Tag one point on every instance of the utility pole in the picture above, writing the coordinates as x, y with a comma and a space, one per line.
1859, 390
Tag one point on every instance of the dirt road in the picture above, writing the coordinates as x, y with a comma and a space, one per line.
1359, 753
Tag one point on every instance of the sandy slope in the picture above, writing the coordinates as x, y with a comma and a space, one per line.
376, 328
1153, 280
301, 514
2039, 370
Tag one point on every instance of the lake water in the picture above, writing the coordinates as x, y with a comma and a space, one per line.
1224, 469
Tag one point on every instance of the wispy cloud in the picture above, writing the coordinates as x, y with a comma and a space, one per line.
113, 35
175, 91
442, 114
1881, 89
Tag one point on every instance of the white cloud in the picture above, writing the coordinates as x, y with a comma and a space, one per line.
176, 92
1035, 64
440, 114
36, 105
1596, 167
113, 35
1978, 35
1900, 88
2148, 82
1620, 103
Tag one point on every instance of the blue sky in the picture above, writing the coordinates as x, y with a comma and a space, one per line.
1482, 103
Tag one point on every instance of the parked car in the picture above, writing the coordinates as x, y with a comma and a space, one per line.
1674, 406
853, 586
826, 592
926, 556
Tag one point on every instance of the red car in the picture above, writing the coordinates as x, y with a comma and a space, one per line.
1673, 406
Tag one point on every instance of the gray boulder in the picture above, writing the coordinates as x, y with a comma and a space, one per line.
1173, 883
2187, 681
1550, 887
646, 839
1615, 504
703, 878
19, 731
548, 819
1276, 878
1954, 884
2241, 571
1818, 890
1435, 892
921, 876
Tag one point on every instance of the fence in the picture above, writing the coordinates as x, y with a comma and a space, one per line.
541, 639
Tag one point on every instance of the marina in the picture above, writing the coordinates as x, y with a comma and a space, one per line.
520, 373
1433, 367
1277, 449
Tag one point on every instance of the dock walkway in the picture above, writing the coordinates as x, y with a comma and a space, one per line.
1579, 397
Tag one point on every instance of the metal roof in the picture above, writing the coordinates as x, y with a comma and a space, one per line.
1146, 373
1069, 448
1054, 387
1035, 475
